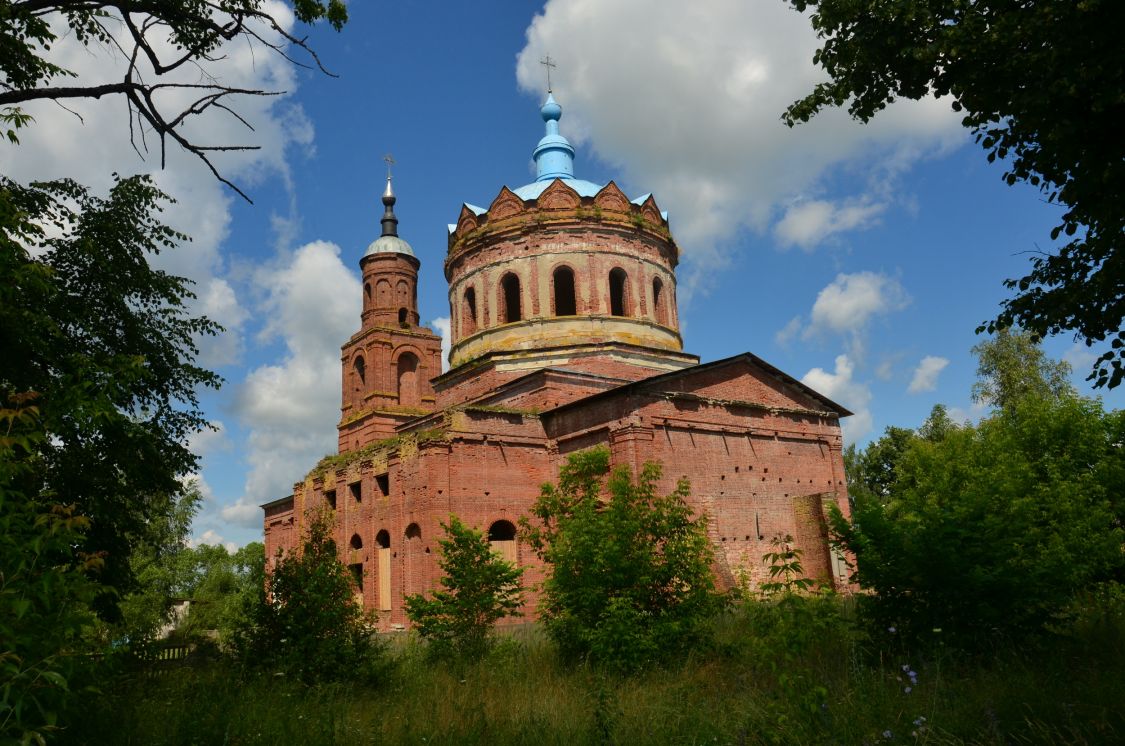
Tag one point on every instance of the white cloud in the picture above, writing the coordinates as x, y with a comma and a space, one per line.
841, 387
94, 142
926, 374
786, 333
1080, 357
442, 326
213, 538
686, 100
809, 222
291, 409
850, 301
210, 439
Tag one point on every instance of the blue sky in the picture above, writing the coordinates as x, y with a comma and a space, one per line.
859, 259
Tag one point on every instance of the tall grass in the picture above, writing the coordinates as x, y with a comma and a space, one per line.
773, 677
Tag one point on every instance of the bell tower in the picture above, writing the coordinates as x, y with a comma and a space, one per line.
387, 365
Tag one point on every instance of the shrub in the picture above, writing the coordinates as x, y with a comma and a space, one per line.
308, 622
480, 589
628, 579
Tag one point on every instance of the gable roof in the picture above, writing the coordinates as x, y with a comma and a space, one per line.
666, 378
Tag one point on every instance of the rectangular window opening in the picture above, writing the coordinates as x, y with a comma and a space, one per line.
330, 498
357, 491
384, 483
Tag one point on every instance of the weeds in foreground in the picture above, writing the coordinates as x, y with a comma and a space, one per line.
782, 672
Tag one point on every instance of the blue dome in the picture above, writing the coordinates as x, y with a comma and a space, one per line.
550, 109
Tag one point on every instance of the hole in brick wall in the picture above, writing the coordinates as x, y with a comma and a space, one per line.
356, 488
356, 542
722, 477
779, 479
383, 481
427, 550
766, 470
724, 538
330, 498
747, 537
736, 470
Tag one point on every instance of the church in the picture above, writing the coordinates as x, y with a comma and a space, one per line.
564, 335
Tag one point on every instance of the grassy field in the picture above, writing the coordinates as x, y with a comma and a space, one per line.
799, 679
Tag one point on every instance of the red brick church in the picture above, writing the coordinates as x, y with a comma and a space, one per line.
565, 335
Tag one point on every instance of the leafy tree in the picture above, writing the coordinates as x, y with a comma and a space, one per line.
45, 589
106, 344
1012, 367
629, 577
1039, 83
153, 42
992, 529
223, 589
308, 622
480, 589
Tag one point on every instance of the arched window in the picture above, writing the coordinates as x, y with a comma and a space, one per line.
357, 543
383, 570
360, 370
658, 301
563, 279
412, 560
367, 292
408, 379
469, 312
402, 316
618, 300
510, 299
382, 294
502, 537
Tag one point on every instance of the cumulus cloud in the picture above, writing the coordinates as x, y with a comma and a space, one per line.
442, 326
849, 302
688, 103
786, 333
809, 222
291, 409
213, 538
93, 142
841, 387
926, 374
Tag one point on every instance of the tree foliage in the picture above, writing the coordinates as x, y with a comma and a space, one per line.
45, 589
629, 577
479, 589
154, 41
106, 345
1040, 85
308, 622
991, 529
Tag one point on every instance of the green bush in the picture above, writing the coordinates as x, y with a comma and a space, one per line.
308, 623
628, 577
480, 589
990, 530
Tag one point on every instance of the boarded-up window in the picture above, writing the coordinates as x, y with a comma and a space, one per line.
408, 380
383, 569
502, 537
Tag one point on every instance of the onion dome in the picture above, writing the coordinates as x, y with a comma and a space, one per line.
389, 242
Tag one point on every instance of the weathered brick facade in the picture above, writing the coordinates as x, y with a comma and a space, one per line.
565, 335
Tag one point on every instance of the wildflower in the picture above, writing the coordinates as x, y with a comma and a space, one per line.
920, 720
888, 735
892, 630
907, 689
